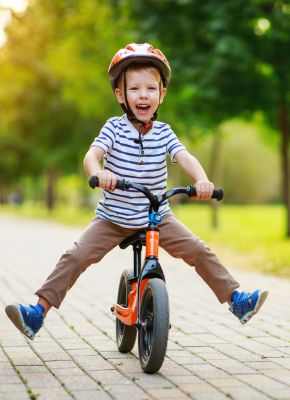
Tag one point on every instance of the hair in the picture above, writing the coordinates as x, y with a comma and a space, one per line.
136, 67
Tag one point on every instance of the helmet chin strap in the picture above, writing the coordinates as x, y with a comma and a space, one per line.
132, 118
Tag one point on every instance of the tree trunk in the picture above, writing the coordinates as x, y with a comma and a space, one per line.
51, 177
2, 194
284, 128
215, 173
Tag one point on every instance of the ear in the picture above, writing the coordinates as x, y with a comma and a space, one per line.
162, 94
119, 95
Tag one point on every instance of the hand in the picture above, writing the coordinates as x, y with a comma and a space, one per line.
204, 190
107, 180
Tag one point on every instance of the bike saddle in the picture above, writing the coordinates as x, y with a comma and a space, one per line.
138, 238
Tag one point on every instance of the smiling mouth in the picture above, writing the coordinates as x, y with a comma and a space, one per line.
142, 107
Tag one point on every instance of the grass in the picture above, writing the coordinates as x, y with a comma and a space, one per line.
248, 237
251, 237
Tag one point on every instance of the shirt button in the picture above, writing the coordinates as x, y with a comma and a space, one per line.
141, 162
142, 152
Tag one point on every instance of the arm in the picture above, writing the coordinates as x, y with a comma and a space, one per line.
92, 166
192, 167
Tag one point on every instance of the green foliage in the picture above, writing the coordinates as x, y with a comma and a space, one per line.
55, 93
250, 169
82, 53
227, 57
37, 132
232, 59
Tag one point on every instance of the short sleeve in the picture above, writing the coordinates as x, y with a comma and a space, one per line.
106, 137
174, 145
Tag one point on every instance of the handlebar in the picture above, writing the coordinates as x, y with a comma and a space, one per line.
155, 201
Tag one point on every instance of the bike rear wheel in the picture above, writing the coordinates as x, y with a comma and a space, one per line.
125, 334
153, 333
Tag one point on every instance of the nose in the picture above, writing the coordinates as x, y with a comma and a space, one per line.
143, 93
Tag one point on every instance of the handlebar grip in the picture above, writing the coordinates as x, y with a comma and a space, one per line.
94, 182
217, 194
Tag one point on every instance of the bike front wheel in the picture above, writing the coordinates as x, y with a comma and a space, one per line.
153, 332
125, 334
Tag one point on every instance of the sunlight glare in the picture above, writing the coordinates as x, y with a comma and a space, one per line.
18, 6
5, 18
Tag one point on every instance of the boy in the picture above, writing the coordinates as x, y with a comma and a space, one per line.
134, 147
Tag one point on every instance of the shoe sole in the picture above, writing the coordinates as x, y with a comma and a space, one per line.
14, 313
262, 297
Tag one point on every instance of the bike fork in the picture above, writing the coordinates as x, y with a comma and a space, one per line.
151, 267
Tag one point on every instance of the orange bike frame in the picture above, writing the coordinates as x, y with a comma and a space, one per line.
152, 243
129, 315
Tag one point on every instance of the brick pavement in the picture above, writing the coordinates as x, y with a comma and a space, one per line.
210, 355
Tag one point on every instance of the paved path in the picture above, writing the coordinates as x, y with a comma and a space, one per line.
210, 356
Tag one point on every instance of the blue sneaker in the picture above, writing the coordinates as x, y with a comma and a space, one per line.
246, 304
27, 319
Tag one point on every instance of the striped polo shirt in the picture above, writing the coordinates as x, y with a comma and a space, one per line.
129, 161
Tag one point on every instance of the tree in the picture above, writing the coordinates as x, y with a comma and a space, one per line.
229, 58
37, 134
55, 90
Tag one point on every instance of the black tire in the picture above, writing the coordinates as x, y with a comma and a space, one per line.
153, 334
125, 335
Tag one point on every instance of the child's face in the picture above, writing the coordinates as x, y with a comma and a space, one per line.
144, 93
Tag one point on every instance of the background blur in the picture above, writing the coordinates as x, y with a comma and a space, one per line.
228, 101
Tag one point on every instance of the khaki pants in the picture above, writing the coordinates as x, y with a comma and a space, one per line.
101, 236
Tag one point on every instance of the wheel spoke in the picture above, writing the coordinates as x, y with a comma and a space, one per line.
148, 324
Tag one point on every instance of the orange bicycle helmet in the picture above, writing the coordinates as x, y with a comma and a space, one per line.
138, 53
